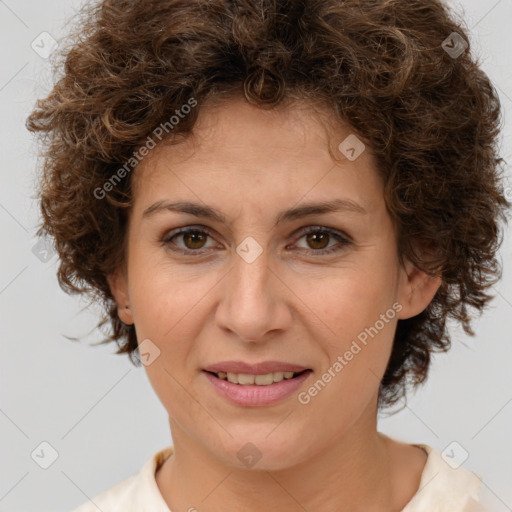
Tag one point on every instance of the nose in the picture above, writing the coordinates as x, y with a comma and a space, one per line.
254, 300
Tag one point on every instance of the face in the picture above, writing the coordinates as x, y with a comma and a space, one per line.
311, 289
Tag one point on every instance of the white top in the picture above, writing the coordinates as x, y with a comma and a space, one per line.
442, 489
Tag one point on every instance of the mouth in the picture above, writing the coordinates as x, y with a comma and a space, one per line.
246, 379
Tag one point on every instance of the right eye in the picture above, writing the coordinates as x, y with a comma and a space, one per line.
192, 237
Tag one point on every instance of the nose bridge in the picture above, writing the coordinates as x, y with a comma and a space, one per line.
251, 271
250, 306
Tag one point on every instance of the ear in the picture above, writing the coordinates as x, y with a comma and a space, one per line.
416, 290
118, 282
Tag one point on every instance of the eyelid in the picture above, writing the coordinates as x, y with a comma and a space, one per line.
315, 227
303, 230
168, 235
341, 236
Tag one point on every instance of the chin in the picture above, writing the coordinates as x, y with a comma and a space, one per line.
264, 452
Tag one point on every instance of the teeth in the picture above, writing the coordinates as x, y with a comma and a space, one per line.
245, 379
259, 380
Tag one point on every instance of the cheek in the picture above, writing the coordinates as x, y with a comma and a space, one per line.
348, 300
165, 297
356, 359
355, 314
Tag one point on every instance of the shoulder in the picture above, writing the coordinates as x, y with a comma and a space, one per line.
445, 486
118, 495
135, 493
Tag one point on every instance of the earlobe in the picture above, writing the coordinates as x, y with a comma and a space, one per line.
119, 289
416, 290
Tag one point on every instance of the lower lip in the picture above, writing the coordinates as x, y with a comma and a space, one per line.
257, 396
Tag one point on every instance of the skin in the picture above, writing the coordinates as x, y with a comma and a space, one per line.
290, 304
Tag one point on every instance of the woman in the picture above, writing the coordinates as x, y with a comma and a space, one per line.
279, 204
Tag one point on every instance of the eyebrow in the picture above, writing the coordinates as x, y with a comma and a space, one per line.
208, 212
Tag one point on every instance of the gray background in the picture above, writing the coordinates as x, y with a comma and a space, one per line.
98, 411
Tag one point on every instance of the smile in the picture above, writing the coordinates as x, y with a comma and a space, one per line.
256, 390
266, 379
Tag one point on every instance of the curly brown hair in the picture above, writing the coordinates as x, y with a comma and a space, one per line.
432, 119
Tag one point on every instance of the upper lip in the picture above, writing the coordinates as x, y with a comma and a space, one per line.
254, 368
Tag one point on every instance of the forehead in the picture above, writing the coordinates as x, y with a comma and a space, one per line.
236, 147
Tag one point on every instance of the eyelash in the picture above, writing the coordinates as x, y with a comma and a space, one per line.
166, 240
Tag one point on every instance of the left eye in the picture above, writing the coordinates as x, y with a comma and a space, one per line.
318, 238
